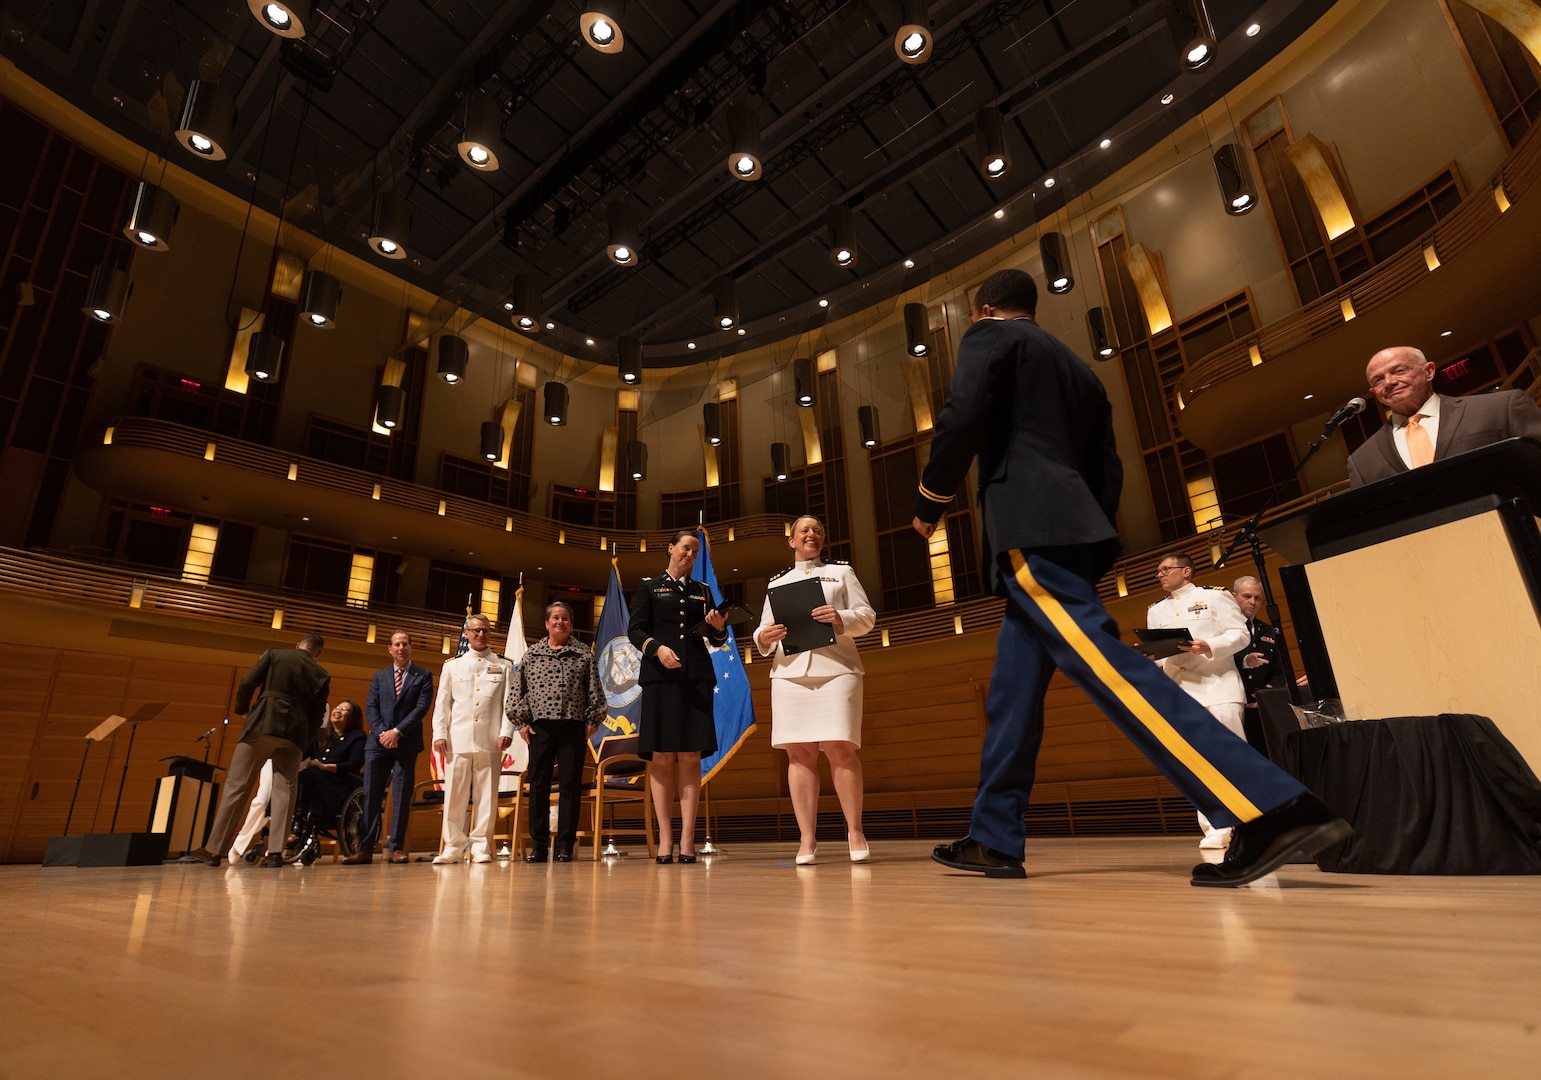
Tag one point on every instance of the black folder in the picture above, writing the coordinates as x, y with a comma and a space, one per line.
791, 606
737, 615
1159, 644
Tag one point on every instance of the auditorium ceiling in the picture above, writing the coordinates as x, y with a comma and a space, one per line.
371, 101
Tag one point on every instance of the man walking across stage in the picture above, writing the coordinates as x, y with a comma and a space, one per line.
470, 730
397, 705
290, 709
1040, 424
1258, 664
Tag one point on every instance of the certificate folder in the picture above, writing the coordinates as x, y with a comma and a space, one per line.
737, 615
1159, 644
792, 606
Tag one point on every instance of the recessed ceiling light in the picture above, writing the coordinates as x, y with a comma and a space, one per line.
690, 344
508, 305
1167, 99
1049, 182
551, 326
1254, 30
1105, 143
999, 214
742, 331
1308, 397
823, 302
1446, 333
588, 341
304, 519
909, 264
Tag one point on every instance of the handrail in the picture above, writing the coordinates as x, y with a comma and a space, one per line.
1382, 283
167, 437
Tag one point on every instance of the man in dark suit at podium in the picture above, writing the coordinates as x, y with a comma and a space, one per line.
399, 699
1425, 426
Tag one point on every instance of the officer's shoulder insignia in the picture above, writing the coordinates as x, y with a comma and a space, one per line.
1155, 602
782, 573
835, 562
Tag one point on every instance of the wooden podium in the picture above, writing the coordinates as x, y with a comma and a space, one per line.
1421, 594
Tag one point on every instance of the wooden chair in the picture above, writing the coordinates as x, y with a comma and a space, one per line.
620, 776
427, 795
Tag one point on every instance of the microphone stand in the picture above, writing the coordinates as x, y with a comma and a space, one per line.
1247, 535
192, 826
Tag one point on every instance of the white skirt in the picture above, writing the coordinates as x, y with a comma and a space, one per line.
816, 710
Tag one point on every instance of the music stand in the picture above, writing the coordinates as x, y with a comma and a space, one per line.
143, 714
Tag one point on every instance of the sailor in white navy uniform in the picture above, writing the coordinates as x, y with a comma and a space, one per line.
471, 731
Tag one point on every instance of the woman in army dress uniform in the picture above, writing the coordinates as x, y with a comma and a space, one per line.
816, 695
677, 686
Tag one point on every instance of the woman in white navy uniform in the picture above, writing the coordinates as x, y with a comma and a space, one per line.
816, 695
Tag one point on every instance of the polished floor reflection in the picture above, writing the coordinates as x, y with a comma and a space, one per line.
1105, 962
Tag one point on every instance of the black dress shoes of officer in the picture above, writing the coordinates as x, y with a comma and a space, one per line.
537, 853
563, 853
198, 855
1261, 846
271, 861
970, 854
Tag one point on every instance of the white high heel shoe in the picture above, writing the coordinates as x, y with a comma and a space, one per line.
808, 859
859, 856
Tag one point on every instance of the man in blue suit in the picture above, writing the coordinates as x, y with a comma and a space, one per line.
399, 699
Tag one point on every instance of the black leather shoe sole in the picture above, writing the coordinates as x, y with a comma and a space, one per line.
1306, 840
977, 859
535, 856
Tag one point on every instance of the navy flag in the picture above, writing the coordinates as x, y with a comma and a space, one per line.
619, 666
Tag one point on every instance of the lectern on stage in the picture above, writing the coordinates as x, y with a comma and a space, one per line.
1421, 594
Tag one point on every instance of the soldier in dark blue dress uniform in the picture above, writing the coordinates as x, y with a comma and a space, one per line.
677, 682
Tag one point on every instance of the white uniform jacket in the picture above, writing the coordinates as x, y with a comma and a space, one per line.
843, 593
1210, 615
469, 711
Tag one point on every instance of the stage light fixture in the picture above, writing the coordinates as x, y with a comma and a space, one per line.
556, 404
207, 123
867, 421
152, 213
264, 356
780, 453
1055, 254
622, 221
629, 358
1099, 323
917, 330
912, 41
724, 303
804, 381
481, 130
744, 161
524, 303
711, 420
390, 406
320, 293
492, 440
107, 294
286, 19
600, 25
842, 229
990, 143
1192, 31
454, 354
390, 225
636, 459
1236, 186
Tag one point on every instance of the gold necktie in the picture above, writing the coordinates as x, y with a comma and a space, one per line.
1420, 451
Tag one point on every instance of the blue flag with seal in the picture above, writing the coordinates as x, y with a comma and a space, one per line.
732, 708
619, 665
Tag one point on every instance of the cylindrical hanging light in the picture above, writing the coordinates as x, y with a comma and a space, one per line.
390, 226
628, 349
744, 161
556, 404
286, 18
867, 420
207, 123
636, 459
600, 25
780, 454
1236, 186
1099, 323
804, 381
1192, 31
990, 143
492, 440
151, 214
525, 303
1055, 254
912, 41
107, 294
320, 293
622, 221
454, 354
392, 404
724, 303
711, 421
481, 130
842, 230
264, 356
917, 330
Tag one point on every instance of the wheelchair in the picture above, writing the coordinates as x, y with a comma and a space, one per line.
310, 828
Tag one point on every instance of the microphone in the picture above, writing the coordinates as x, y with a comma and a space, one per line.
206, 734
1354, 407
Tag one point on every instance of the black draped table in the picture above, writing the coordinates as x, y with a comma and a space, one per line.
1443, 794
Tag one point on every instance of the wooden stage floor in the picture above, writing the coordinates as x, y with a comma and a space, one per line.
1104, 963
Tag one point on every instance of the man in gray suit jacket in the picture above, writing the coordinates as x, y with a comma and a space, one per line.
291, 708
1426, 426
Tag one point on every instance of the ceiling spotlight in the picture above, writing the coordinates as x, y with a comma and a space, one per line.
588, 341
823, 301
551, 326
1192, 32
842, 228
1446, 333
1236, 187
804, 381
990, 143
481, 130
1099, 323
524, 302
917, 330
742, 331
780, 452
1254, 30
390, 226
724, 303
629, 358
867, 420
912, 41
1056, 262
622, 221
1000, 214
207, 123
107, 294
390, 406
556, 404
152, 213
508, 305
1048, 181
492, 440
744, 161
690, 344
711, 423
454, 354
1105, 143
909, 264
264, 356
286, 19
1168, 98
600, 25
636, 459
320, 293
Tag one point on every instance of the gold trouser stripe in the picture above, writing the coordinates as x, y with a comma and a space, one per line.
931, 495
1132, 699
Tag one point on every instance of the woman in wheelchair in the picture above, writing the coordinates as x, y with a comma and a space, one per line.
331, 775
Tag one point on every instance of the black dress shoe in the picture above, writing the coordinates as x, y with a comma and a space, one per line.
271, 861
198, 855
538, 853
1261, 846
563, 853
666, 858
970, 854
687, 858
